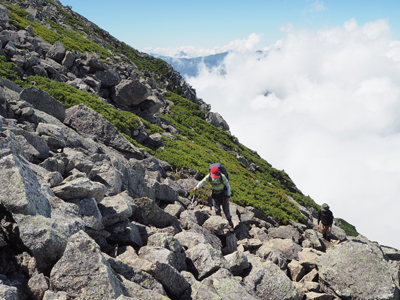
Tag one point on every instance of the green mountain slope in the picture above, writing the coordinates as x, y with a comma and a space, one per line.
198, 143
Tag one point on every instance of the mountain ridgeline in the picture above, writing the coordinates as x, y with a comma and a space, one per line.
100, 148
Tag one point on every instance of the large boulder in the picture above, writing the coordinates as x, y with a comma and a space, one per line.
22, 192
146, 211
190, 239
288, 248
108, 78
130, 92
4, 15
79, 188
357, 270
90, 123
269, 282
56, 52
217, 120
205, 260
284, 232
43, 101
83, 272
225, 286
115, 209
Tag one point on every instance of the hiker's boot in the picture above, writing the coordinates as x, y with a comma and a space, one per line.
328, 238
325, 237
230, 224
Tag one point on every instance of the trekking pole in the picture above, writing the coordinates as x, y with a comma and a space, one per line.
194, 194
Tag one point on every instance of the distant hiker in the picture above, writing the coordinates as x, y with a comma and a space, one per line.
325, 216
221, 191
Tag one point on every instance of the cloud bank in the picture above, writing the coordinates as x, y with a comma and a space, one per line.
325, 107
240, 46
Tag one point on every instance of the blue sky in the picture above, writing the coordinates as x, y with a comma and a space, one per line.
206, 24
331, 117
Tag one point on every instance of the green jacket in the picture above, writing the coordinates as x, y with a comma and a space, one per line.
216, 185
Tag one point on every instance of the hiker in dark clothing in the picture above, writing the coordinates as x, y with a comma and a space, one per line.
221, 192
325, 216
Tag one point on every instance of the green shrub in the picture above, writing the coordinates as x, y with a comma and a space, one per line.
348, 228
7, 69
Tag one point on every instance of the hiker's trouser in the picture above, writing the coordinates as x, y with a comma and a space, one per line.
219, 200
325, 231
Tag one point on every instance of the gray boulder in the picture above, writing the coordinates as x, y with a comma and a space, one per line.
237, 262
173, 282
164, 255
83, 272
190, 239
284, 232
90, 213
44, 102
68, 60
217, 120
130, 92
79, 188
205, 260
135, 275
90, 123
108, 78
267, 253
137, 184
54, 135
145, 211
226, 286
164, 192
22, 192
268, 281
312, 236
4, 15
288, 248
56, 52
357, 270
217, 225
115, 209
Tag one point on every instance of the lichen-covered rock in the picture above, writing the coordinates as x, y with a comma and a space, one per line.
191, 238
115, 209
83, 272
90, 123
288, 248
44, 102
271, 254
153, 253
22, 192
269, 282
237, 262
205, 260
226, 286
357, 270
80, 188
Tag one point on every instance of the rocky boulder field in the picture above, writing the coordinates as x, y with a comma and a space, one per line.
93, 217
85, 214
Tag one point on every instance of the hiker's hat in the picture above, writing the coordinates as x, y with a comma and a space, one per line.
214, 172
325, 206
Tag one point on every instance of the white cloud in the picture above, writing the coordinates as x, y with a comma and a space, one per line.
324, 106
241, 46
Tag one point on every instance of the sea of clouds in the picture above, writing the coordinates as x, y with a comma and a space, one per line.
325, 107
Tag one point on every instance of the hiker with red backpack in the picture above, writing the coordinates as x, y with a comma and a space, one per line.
221, 189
